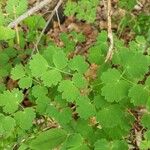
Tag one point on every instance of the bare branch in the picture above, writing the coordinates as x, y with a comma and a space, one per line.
49, 20
29, 13
109, 30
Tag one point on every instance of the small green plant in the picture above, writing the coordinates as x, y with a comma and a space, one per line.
138, 23
82, 7
51, 100
53, 82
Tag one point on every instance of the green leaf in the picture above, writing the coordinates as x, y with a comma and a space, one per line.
7, 125
81, 8
74, 141
69, 44
4, 59
10, 100
49, 52
82, 126
77, 37
145, 120
23, 147
102, 37
65, 116
115, 92
111, 76
83, 147
147, 83
110, 116
48, 140
136, 64
102, 144
39, 91
73, 93
79, 81
78, 64
6, 33
148, 104
98, 51
16, 7
2, 18
42, 104
117, 145
51, 77
5, 71
2, 87
85, 109
25, 82
147, 135
38, 65
53, 112
18, 72
70, 8
121, 54
117, 132
114, 89
144, 145
60, 60
24, 119
11, 52
139, 95
35, 22
100, 101
127, 4
95, 55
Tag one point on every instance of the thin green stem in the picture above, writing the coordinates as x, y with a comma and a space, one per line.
129, 81
97, 84
60, 70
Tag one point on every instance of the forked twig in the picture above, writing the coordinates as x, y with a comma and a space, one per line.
109, 30
47, 23
29, 13
49, 20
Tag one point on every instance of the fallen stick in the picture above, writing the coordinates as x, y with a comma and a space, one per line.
29, 13
49, 20
109, 30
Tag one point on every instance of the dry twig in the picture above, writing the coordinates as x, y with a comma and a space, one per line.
29, 13
49, 20
109, 30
